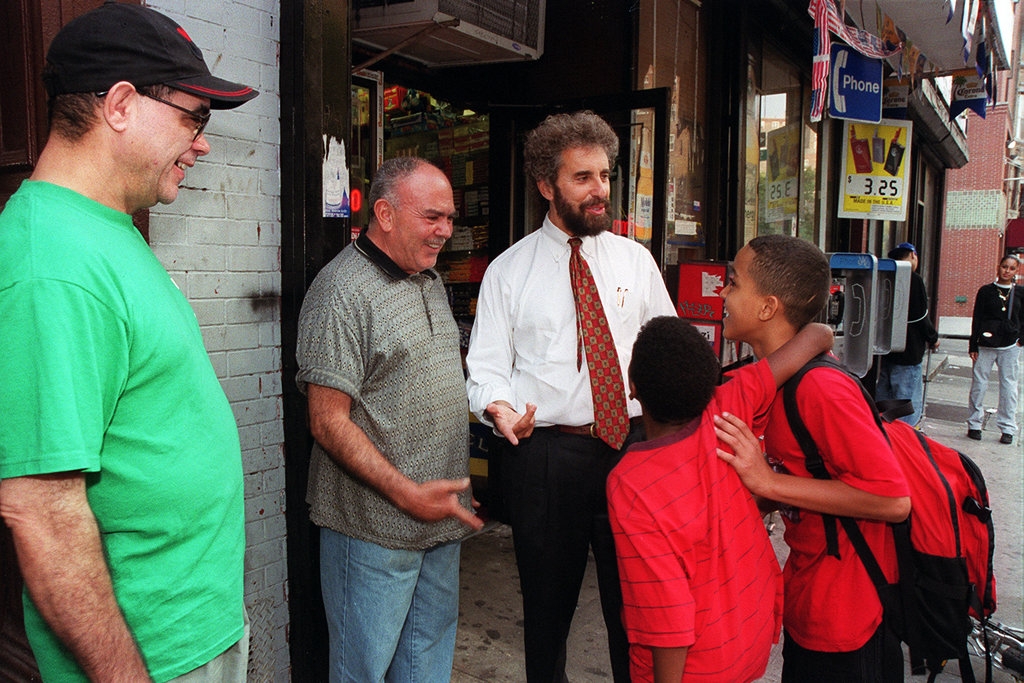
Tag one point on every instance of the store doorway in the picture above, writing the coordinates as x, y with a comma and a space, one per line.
639, 178
482, 152
480, 149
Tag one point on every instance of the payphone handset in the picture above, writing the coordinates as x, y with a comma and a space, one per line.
851, 309
892, 302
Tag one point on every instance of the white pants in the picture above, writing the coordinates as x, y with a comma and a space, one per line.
1008, 360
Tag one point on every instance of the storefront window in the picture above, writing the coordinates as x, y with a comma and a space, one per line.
457, 140
367, 141
781, 153
671, 54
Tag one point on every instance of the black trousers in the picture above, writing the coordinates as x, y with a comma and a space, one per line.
880, 660
553, 487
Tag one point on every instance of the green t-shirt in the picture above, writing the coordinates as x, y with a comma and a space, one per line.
103, 370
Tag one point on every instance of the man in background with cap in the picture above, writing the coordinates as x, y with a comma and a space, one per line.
899, 374
120, 465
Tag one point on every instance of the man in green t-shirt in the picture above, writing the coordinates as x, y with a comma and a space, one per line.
120, 464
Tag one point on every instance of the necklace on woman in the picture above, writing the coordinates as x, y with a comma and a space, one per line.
1003, 296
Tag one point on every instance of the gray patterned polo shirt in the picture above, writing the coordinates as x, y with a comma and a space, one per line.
389, 341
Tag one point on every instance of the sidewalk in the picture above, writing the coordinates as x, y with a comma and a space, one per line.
489, 644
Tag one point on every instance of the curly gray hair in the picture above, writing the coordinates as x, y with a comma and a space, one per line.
559, 132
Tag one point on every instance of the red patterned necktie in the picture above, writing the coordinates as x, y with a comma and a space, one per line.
611, 417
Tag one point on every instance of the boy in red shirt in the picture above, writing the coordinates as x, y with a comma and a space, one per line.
700, 581
833, 618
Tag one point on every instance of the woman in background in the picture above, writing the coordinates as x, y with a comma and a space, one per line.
996, 338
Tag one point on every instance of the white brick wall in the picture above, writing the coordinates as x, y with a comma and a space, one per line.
975, 208
221, 242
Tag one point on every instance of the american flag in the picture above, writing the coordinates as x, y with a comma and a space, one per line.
819, 72
827, 19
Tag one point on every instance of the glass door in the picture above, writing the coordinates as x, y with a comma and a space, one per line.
781, 151
367, 141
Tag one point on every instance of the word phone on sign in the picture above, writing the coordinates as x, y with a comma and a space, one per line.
856, 91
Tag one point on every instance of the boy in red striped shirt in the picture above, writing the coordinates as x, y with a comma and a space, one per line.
702, 592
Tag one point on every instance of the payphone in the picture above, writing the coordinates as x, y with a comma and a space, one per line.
867, 308
850, 309
893, 302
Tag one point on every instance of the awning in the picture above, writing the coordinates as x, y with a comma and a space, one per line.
944, 137
924, 24
1015, 233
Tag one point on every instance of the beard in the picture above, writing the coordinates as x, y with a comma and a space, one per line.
577, 221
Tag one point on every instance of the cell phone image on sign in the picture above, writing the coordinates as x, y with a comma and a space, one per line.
877, 148
861, 152
895, 156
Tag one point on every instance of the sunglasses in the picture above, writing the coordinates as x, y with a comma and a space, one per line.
200, 118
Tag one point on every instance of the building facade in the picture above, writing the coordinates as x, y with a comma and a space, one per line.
712, 104
973, 236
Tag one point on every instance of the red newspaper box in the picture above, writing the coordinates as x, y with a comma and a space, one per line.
699, 302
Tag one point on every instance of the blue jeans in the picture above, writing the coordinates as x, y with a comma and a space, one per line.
901, 382
1008, 360
391, 614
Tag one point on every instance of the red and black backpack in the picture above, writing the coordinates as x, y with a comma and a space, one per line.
944, 549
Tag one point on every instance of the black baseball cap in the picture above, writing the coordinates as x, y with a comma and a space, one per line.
126, 42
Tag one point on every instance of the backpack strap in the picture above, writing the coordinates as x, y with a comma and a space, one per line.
951, 500
815, 464
860, 544
813, 461
981, 510
893, 409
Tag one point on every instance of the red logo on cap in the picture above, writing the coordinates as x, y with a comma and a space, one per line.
184, 35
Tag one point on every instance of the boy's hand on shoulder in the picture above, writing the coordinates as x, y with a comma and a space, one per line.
746, 455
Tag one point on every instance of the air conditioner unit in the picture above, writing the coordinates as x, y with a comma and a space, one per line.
452, 32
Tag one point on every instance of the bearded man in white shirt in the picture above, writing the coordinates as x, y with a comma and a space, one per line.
528, 379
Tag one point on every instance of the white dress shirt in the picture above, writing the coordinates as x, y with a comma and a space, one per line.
523, 345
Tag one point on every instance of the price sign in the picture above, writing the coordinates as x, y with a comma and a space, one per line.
782, 185
782, 189
876, 170
863, 185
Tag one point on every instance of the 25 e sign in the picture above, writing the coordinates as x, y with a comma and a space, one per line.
782, 189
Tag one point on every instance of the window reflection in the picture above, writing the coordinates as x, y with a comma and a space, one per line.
782, 149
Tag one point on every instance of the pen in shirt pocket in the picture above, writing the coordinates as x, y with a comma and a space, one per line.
620, 296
